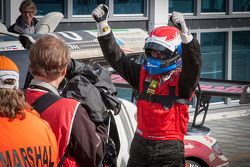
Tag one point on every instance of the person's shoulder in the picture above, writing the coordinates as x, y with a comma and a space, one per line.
65, 99
35, 116
67, 102
11, 28
33, 119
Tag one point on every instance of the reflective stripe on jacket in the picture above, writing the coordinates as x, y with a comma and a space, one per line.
155, 121
60, 116
27, 142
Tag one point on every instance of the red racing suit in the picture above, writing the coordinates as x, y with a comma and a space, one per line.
155, 121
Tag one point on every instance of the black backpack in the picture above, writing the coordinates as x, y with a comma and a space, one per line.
91, 85
94, 89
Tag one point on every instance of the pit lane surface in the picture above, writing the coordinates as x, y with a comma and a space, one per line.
231, 128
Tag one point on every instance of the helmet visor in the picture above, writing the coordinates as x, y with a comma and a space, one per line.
158, 48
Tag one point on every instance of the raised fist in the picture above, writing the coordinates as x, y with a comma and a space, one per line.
100, 13
179, 21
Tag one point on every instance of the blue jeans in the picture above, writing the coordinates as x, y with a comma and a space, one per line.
150, 153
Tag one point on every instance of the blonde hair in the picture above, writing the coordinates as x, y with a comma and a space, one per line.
12, 103
48, 57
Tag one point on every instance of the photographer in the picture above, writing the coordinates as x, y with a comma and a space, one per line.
81, 141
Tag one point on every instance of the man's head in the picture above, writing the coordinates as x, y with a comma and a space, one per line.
28, 11
49, 57
12, 101
163, 50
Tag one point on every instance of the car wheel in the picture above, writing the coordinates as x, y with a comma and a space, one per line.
190, 163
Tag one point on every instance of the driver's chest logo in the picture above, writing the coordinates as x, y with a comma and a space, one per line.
152, 87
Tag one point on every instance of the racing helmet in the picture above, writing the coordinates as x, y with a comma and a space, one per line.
167, 41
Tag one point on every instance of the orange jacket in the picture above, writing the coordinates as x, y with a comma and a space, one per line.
27, 142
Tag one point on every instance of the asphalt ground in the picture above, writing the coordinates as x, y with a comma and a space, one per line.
231, 128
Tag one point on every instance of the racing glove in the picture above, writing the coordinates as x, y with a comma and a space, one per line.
179, 21
100, 14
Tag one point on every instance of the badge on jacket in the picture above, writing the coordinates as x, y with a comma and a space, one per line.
152, 87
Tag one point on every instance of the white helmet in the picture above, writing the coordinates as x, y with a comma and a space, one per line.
166, 40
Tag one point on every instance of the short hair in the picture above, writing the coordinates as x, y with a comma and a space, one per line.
27, 4
48, 57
